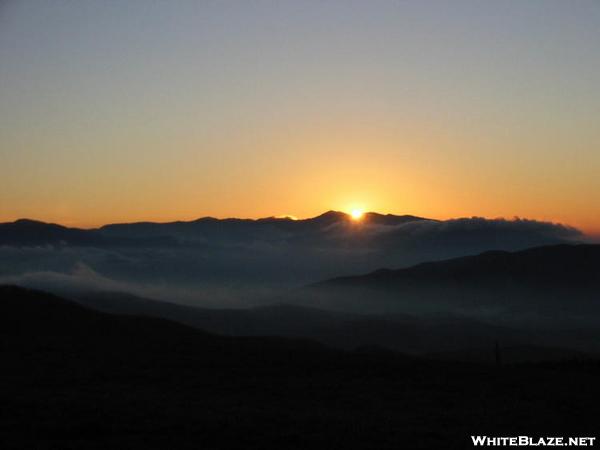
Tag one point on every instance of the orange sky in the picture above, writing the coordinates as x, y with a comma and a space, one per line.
114, 116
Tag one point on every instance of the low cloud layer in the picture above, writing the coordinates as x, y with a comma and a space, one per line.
220, 263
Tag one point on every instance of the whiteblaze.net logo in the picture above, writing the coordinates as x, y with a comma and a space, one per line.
528, 441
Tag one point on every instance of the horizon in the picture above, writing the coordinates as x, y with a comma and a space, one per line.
587, 237
350, 215
86, 224
155, 111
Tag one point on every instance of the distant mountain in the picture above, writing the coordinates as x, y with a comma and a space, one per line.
25, 232
229, 228
409, 334
567, 265
32, 232
438, 337
43, 317
240, 259
557, 285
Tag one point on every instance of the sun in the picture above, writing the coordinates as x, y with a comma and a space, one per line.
357, 214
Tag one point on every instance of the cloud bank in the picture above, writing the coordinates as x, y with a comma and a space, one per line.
236, 263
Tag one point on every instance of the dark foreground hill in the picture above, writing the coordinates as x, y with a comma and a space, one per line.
74, 378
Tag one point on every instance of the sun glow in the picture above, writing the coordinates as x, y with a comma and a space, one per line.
357, 214
286, 216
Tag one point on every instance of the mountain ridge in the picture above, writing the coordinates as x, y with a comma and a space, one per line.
499, 259
555, 285
331, 215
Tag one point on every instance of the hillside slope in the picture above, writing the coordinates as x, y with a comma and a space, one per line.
75, 378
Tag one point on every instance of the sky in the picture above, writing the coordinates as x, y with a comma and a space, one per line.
120, 111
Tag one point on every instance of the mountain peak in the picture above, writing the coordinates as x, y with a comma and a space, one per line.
25, 221
332, 213
329, 217
391, 219
31, 223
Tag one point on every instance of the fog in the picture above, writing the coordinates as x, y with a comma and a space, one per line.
244, 263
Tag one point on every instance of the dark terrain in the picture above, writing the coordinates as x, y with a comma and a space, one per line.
74, 378
554, 285
27, 232
439, 336
539, 304
227, 262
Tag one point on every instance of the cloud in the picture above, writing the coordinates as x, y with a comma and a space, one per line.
83, 279
480, 231
243, 264
80, 279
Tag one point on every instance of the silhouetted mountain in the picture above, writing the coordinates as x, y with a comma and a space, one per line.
31, 232
25, 232
553, 284
570, 265
40, 316
75, 378
391, 219
229, 228
401, 332
238, 261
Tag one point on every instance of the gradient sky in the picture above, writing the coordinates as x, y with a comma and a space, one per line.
154, 110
